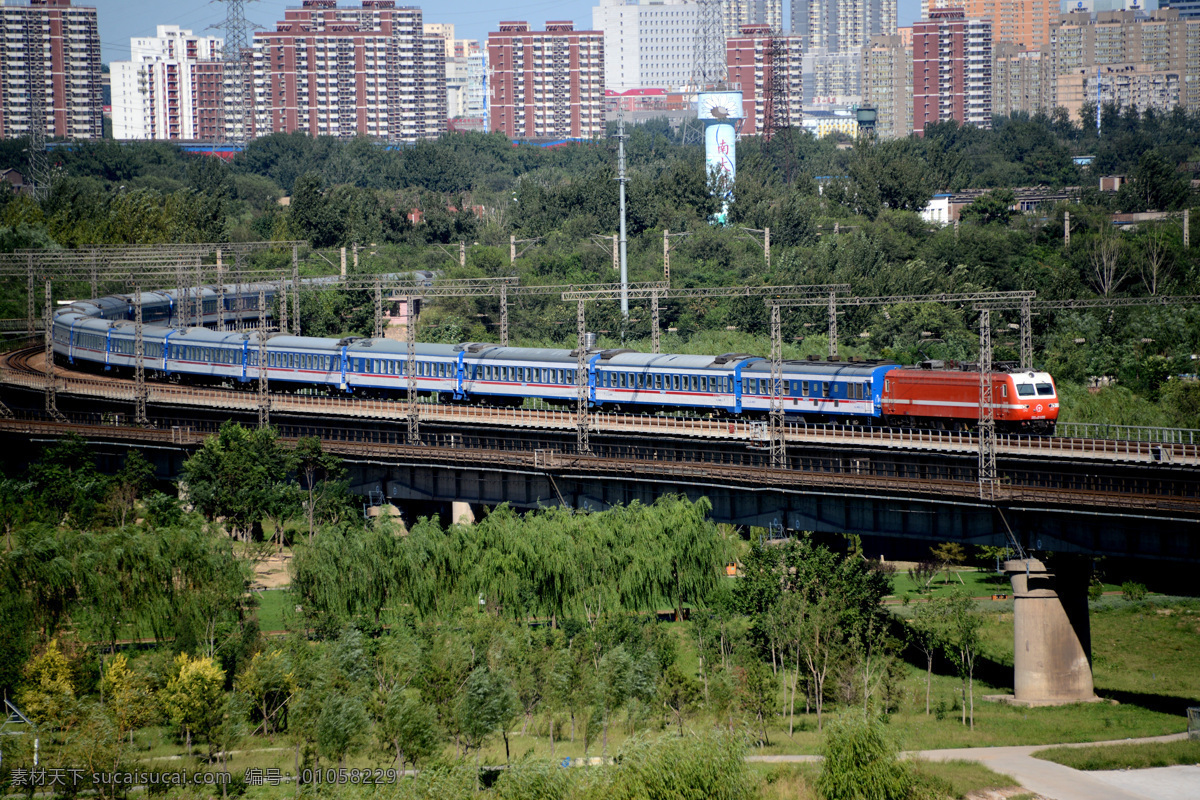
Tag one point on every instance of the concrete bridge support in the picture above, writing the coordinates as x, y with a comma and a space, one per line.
1052, 644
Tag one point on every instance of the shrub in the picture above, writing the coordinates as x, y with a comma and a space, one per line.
862, 763
1132, 590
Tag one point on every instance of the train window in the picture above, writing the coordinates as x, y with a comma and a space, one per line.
658, 379
867, 389
1045, 390
1004, 390
1025, 389
787, 388
825, 389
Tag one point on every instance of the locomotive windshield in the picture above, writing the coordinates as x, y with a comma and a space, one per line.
1045, 390
1025, 389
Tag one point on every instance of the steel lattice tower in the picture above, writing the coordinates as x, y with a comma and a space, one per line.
776, 86
39, 165
236, 106
708, 54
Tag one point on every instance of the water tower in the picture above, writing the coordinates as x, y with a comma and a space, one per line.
720, 112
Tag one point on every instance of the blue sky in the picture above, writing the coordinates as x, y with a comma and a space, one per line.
122, 19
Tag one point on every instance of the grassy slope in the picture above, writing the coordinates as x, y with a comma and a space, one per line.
1125, 756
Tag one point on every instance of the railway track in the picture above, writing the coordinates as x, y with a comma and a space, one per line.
26, 368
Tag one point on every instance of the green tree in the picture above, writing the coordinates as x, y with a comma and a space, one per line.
863, 763
680, 693
925, 633
992, 208
407, 727
193, 697
961, 622
268, 685
756, 693
49, 692
322, 478
340, 726
487, 704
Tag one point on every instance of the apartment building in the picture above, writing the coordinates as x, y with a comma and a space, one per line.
465, 73
888, 85
156, 93
1132, 58
546, 84
1019, 81
357, 71
952, 70
1025, 23
738, 13
835, 34
52, 48
767, 66
648, 44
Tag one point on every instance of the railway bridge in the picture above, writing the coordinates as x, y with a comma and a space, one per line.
1078, 496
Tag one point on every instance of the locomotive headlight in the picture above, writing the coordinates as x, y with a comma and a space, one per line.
1054, 405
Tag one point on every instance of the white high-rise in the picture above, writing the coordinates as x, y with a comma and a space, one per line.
647, 44
836, 33
466, 75
153, 93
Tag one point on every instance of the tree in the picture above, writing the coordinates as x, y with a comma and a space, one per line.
925, 632
49, 692
756, 693
193, 696
862, 763
311, 213
614, 674
487, 704
268, 684
948, 555
680, 693
992, 208
237, 474
1154, 185
322, 479
1155, 263
408, 727
340, 725
127, 697
1105, 261
961, 623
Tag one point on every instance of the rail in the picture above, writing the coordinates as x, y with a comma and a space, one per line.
1172, 447
751, 470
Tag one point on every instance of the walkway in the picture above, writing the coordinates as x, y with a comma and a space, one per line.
1057, 782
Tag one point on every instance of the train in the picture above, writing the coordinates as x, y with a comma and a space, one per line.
100, 334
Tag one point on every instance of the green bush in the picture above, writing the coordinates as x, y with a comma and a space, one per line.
862, 763
1132, 590
708, 766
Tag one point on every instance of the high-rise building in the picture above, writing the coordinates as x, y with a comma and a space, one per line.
767, 66
647, 44
465, 76
888, 85
1018, 80
835, 33
1188, 9
365, 71
1020, 22
1125, 57
155, 92
841, 25
546, 84
739, 13
952, 70
52, 48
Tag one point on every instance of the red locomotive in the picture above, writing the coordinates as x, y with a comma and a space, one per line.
1022, 401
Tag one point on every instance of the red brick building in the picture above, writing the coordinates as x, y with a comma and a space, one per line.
767, 67
546, 84
369, 71
952, 69
53, 48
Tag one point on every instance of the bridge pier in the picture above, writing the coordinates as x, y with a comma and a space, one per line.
1052, 640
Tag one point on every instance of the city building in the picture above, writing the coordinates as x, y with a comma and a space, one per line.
834, 34
1018, 81
767, 66
1025, 23
465, 73
52, 48
888, 85
648, 44
739, 13
546, 84
1188, 9
361, 71
952, 69
840, 25
155, 94
823, 123
1148, 60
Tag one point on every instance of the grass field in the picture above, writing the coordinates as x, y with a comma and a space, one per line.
1125, 756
